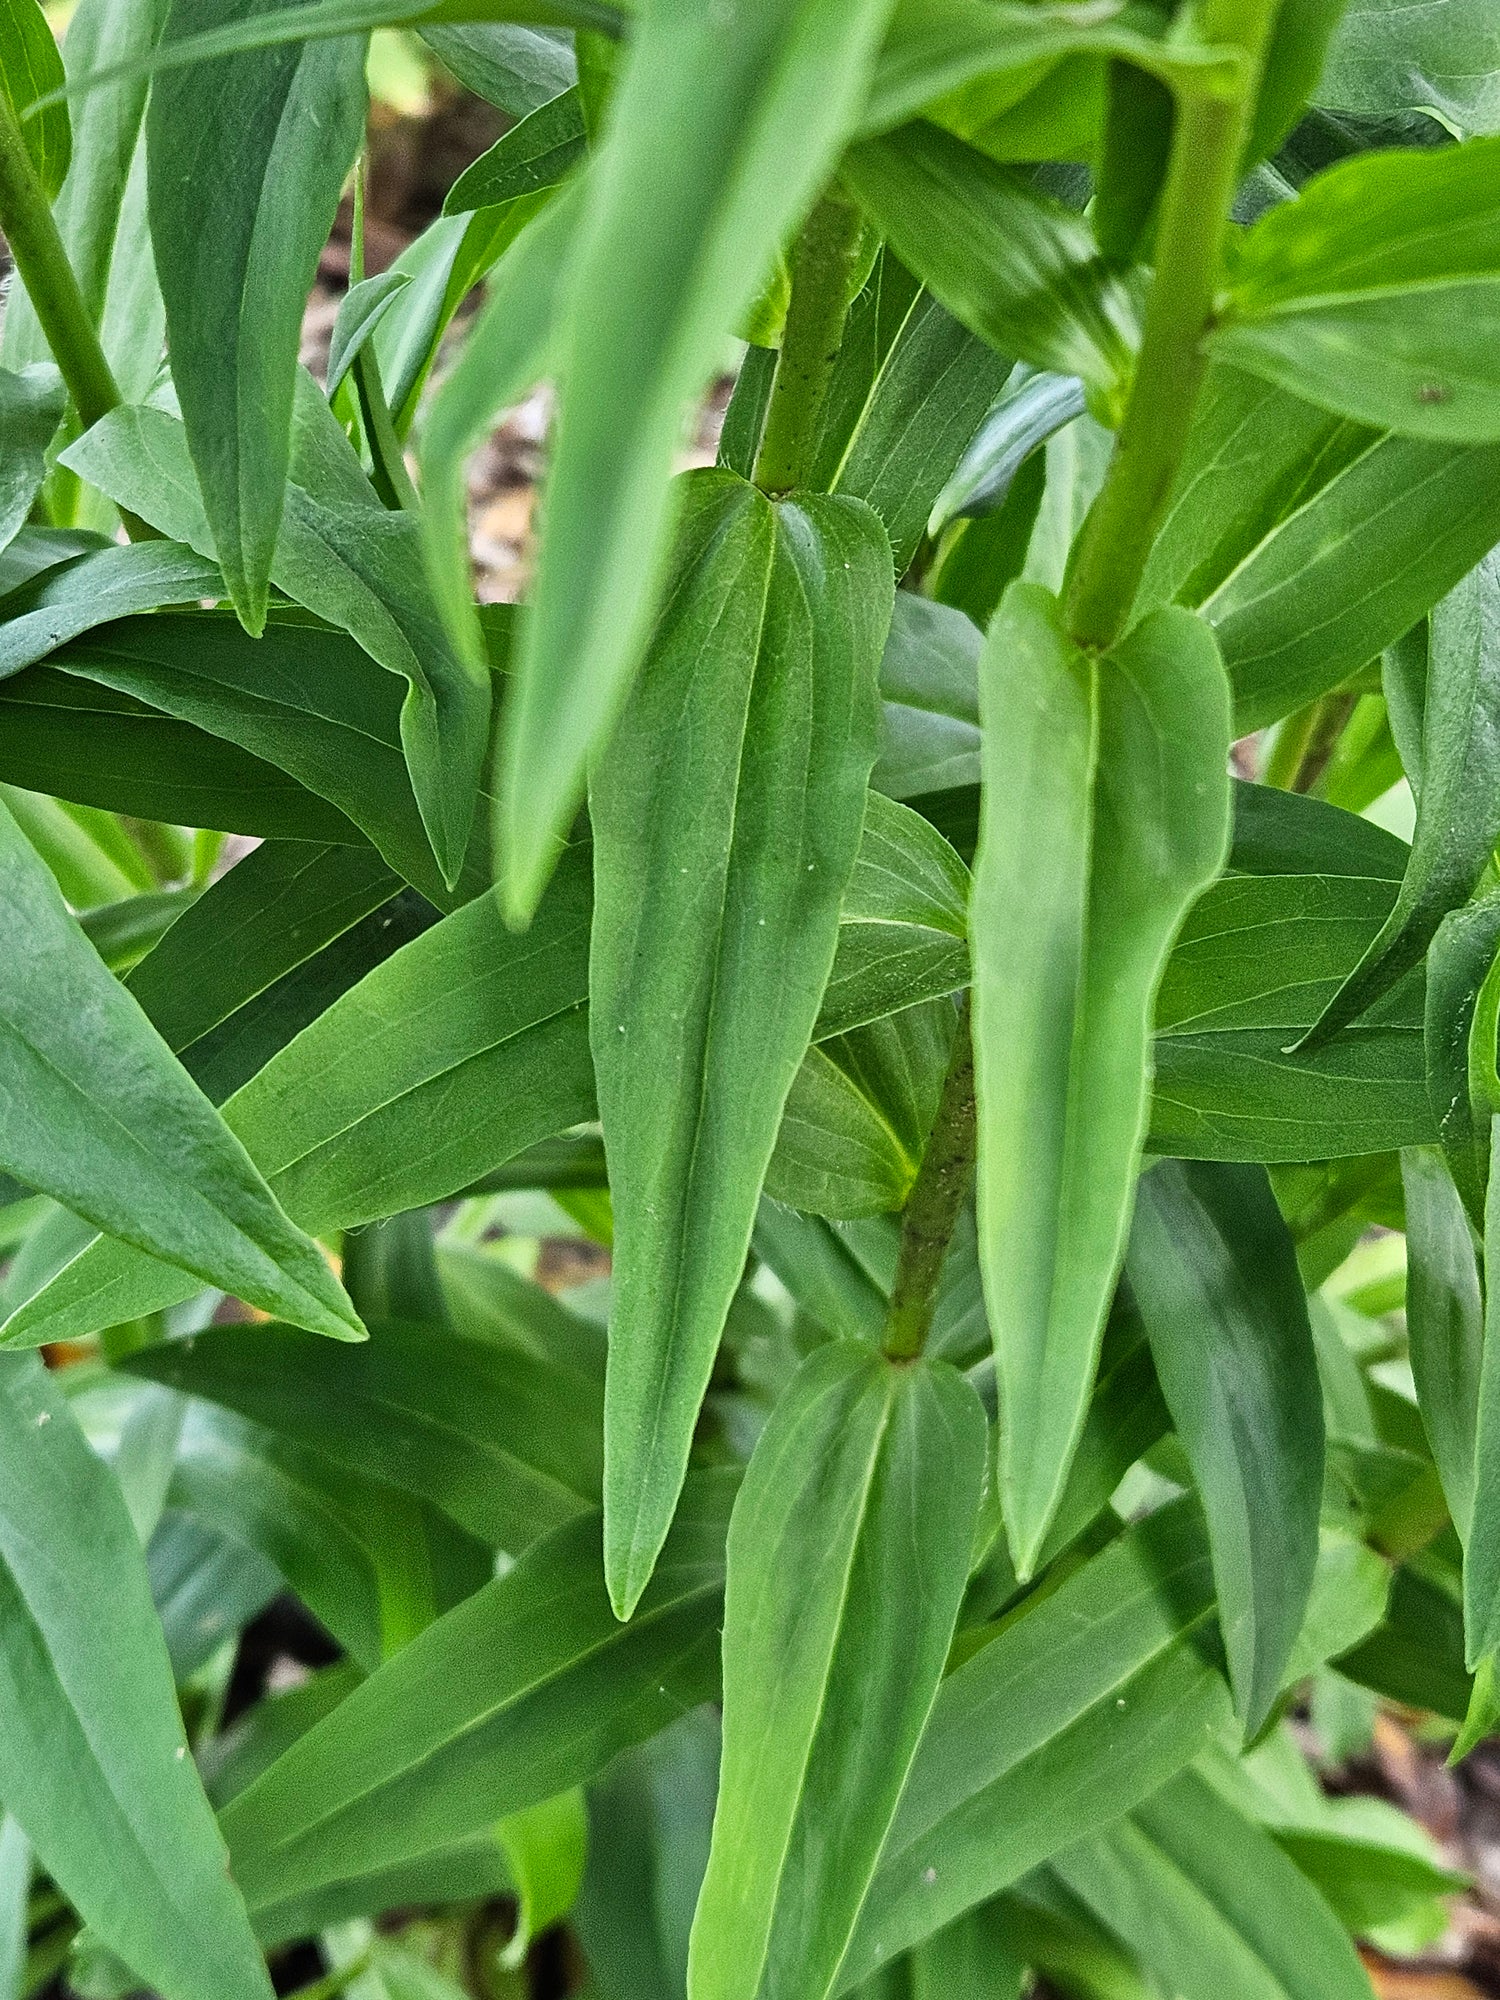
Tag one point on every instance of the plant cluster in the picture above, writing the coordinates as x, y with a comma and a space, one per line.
983, 902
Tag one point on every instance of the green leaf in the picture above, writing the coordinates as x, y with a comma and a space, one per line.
1093, 843
934, 47
367, 1562
546, 1846
929, 680
1459, 1039
1033, 407
77, 597
535, 154
1079, 1707
518, 68
1377, 291
31, 67
106, 1121
1211, 1905
726, 814
344, 556
902, 924
846, 1563
1389, 57
1482, 1553
1350, 569
527, 1688
1458, 806
1214, 1272
248, 155
1444, 1322
859, 1112
31, 408
95, 1765
506, 1446
361, 310
1015, 266
360, 1117
15, 1886
721, 131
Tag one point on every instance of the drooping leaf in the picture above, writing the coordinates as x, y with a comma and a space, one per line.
1211, 1905
726, 814
248, 156
1444, 1322
545, 1845
358, 1117
1075, 1711
1015, 266
1377, 292
347, 558
1094, 841
104, 1119
721, 131
508, 1447
527, 1688
1214, 1271
94, 1763
1458, 808
847, 1557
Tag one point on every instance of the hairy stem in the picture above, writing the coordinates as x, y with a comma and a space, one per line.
1201, 179
933, 1206
822, 267
42, 262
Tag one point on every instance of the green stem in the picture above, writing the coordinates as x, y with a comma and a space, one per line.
822, 268
934, 1204
42, 262
1201, 180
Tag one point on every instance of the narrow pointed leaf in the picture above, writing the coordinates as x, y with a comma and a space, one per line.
248, 156
93, 1761
726, 814
528, 1688
1459, 1041
363, 307
31, 407
1094, 841
723, 128
92, 590
1444, 1323
1017, 267
534, 154
847, 1557
104, 1119
1214, 1272
1458, 810
1482, 1552
1077, 1709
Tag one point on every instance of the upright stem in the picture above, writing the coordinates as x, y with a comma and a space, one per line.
1206, 147
822, 266
933, 1206
26, 217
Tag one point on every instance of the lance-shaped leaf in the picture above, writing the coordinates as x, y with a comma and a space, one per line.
1207, 1901
1377, 292
464, 1047
1214, 1271
1458, 806
529, 1687
506, 1445
1459, 1040
1482, 1551
722, 130
31, 67
93, 1761
72, 598
532, 155
726, 816
103, 1118
343, 555
248, 155
1444, 1322
1017, 267
1079, 1707
1106, 810
848, 1553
